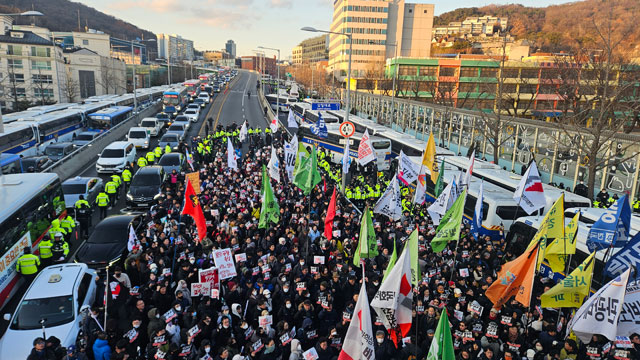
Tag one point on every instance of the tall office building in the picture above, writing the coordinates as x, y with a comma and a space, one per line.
376, 25
311, 50
230, 47
175, 47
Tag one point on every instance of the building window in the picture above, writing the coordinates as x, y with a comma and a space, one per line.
42, 79
14, 50
40, 51
16, 78
447, 71
19, 92
468, 87
469, 72
489, 73
40, 65
14, 64
85, 42
43, 93
408, 70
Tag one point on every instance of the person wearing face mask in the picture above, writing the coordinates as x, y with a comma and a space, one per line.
205, 349
382, 346
136, 338
287, 312
296, 350
155, 321
271, 351
185, 294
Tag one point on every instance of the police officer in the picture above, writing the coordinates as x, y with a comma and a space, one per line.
167, 149
116, 179
45, 251
151, 157
60, 248
142, 162
27, 264
126, 178
111, 188
157, 152
103, 203
83, 215
68, 224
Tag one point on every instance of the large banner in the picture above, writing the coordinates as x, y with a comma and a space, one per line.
210, 276
629, 321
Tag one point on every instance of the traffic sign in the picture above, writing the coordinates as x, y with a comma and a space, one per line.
347, 129
324, 106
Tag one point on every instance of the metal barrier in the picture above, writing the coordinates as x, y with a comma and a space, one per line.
75, 161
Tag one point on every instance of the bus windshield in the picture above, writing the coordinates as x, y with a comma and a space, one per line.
171, 100
56, 310
99, 122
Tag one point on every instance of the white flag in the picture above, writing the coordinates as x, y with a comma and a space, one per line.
393, 300
274, 125
243, 132
421, 186
439, 207
630, 316
529, 193
290, 157
232, 163
291, 120
346, 160
366, 154
467, 178
408, 169
358, 342
132, 239
390, 203
600, 313
274, 165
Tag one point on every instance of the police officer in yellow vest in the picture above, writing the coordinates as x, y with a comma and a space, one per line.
111, 189
142, 162
27, 264
45, 251
60, 248
103, 203
55, 227
157, 152
126, 178
68, 224
151, 157
116, 179
167, 149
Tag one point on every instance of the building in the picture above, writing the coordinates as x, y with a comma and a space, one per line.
175, 48
473, 26
31, 69
380, 30
131, 52
230, 48
311, 50
89, 74
260, 64
215, 56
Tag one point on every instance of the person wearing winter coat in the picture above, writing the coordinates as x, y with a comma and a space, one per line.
101, 349
296, 350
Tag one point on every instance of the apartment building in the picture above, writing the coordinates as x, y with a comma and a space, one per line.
261, 64
230, 48
311, 50
174, 47
473, 26
380, 29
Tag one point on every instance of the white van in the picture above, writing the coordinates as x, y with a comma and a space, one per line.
115, 157
140, 137
153, 125
61, 296
204, 96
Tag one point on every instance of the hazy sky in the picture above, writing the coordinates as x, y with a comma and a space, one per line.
250, 23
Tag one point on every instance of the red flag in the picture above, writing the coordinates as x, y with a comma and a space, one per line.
192, 208
331, 214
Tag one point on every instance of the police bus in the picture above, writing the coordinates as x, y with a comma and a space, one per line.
335, 142
107, 118
28, 204
174, 100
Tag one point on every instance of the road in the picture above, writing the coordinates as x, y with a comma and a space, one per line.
229, 106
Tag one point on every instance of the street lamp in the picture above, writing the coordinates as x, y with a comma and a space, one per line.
25, 13
346, 102
277, 83
260, 65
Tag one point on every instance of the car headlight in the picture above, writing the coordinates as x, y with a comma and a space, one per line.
157, 196
129, 197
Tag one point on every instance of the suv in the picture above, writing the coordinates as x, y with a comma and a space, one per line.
153, 125
192, 114
56, 151
139, 136
115, 157
56, 302
146, 186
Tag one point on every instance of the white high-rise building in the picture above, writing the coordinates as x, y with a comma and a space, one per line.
174, 47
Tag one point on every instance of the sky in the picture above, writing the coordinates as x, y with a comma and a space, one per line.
250, 23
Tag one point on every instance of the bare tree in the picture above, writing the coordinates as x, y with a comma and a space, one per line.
70, 88
41, 83
108, 79
598, 103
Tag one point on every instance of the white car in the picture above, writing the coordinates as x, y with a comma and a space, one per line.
192, 114
58, 297
115, 157
193, 106
153, 125
140, 137
184, 120
204, 96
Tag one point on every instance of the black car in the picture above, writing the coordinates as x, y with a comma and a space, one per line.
146, 186
165, 118
107, 244
35, 163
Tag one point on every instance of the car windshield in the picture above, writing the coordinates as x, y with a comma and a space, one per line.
169, 138
181, 118
162, 116
176, 127
112, 153
198, 100
170, 161
27, 163
74, 188
138, 134
87, 137
190, 112
57, 151
54, 310
148, 123
108, 234
145, 180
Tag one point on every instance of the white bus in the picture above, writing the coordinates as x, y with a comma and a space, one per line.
335, 142
28, 204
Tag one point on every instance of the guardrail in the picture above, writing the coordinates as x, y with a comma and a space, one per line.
75, 161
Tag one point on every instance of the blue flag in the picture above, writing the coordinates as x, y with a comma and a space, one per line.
612, 229
476, 223
628, 256
320, 128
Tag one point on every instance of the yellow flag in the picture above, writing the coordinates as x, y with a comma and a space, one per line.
429, 158
559, 249
551, 227
571, 291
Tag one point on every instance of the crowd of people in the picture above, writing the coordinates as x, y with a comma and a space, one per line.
308, 284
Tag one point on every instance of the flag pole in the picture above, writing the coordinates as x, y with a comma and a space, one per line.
106, 296
175, 245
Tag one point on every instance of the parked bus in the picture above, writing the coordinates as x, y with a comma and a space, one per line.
19, 138
193, 88
334, 143
28, 204
107, 118
284, 102
10, 164
174, 100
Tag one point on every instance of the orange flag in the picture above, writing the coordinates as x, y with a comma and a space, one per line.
515, 278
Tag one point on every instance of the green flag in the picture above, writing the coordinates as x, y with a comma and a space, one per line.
415, 263
442, 344
308, 176
300, 155
270, 211
367, 245
449, 228
392, 261
440, 182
